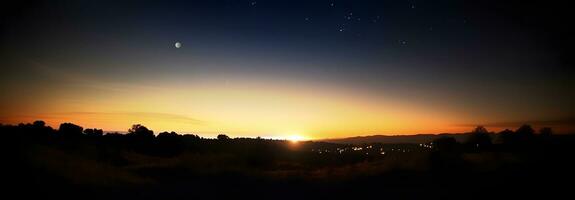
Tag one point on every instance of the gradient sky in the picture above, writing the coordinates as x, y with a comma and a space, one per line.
318, 69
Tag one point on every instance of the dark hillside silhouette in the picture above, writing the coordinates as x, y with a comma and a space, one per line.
395, 139
73, 161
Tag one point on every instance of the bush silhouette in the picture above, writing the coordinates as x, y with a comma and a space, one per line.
223, 137
525, 130
140, 131
520, 139
479, 138
39, 124
70, 130
167, 135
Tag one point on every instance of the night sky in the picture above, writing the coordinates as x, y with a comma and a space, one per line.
312, 69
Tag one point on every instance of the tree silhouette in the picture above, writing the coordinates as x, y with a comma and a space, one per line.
70, 130
140, 131
479, 138
525, 130
520, 139
167, 135
505, 136
506, 132
39, 124
169, 143
38, 129
223, 137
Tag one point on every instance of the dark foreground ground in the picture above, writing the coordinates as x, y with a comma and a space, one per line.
70, 163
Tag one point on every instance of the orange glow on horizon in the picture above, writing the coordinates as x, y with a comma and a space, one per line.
246, 108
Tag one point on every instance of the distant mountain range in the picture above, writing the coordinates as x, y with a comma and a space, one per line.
396, 139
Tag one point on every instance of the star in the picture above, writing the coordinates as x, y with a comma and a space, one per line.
341, 28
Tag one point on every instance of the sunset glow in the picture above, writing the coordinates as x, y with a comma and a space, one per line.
307, 74
245, 108
287, 99
295, 138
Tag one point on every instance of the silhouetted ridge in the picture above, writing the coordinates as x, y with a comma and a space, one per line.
88, 162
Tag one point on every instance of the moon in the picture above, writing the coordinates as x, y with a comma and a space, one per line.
178, 45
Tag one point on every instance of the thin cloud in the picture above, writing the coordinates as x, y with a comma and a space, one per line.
555, 122
86, 80
162, 116
108, 115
